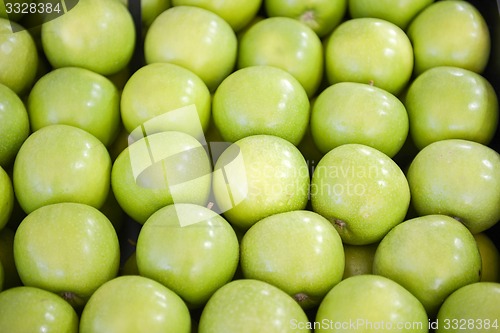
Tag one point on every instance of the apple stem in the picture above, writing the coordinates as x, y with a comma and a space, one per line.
341, 224
301, 297
371, 83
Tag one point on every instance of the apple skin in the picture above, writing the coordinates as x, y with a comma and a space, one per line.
369, 50
251, 306
134, 304
451, 103
361, 191
287, 44
370, 303
472, 308
97, 35
458, 178
490, 258
61, 163
450, 33
67, 248
259, 176
194, 38
359, 259
403, 256
350, 112
320, 15
299, 252
261, 100
77, 97
6, 198
29, 309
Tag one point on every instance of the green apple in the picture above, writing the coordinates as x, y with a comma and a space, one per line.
259, 176
98, 35
155, 90
194, 38
287, 44
490, 258
28, 309
129, 267
458, 178
11, 277
400, 12
369, 50
150, 9
359, 259
370, 303
67, 248
18, 57
78, 97
450, 33
362, 191
238, 13
190, 249
261, 100
350, 112
252, 306
320, 15
472, 308
451, 103
14, 125
431, 256
299, 252
134, 304
158, 170
6, 198
61, 163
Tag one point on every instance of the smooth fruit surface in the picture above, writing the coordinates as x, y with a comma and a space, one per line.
490, 258
359, 259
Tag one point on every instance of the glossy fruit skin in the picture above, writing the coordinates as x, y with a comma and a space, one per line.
361, 191
261, 100
68, 248
300, 252
134, 304
371, 51
194, 38
451, 103
97, 35
6, 198
29, 309
490, 258
403, 256
450, 33
350, 112
265, 175
458, 178
251, 306
61, 163
370, 303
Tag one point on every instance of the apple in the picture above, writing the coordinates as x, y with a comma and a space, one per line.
129, 267
28, 309
150, 9
490, 258
320, 15
371, 51
11, 277
67, 248
361, 191
61, 163
252, 306
287, 44
134, 304
400, 12
194, 38
431, 256
14, 125
259, 176
155, 90
458, 178
472, 308
6, 198
451, 103
261, 100
78, 97
18, 57
299, 252
450, 33
158, 170
370, 303
358, 259
351, 112
190, 249
98, 35
238, 13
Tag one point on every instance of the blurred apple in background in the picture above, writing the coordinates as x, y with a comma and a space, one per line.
11, 277
6, 198
287, 44
150, 9
358, 259
194, 38
490, 258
